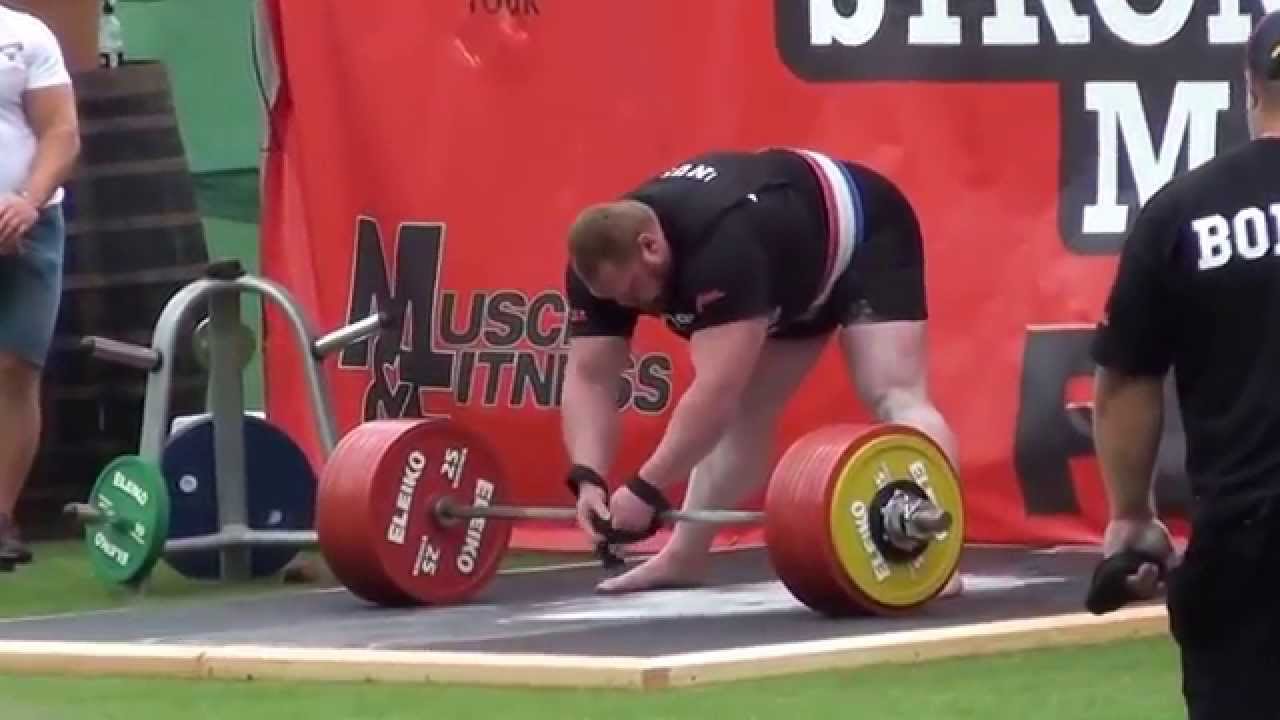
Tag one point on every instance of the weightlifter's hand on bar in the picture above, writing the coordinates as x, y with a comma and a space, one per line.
635, 507
630, 513
593, 499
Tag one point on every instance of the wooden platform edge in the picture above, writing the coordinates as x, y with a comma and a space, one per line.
912, 646
357, 665
86, 658
426, 667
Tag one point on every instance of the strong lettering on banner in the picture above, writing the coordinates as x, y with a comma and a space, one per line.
1145, 93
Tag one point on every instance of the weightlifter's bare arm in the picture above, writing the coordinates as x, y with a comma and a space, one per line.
723, 359
588, 409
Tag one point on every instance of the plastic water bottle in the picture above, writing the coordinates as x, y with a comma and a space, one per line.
110, 36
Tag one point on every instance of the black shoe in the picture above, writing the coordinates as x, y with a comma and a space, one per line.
12, 549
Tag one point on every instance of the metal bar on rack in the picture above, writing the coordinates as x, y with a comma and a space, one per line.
232, 537
137, 356
346, 335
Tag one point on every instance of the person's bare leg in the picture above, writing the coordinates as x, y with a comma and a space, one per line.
19, 435
889, 365
737, 466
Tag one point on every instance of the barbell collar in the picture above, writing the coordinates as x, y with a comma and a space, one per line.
446, 509
910, 522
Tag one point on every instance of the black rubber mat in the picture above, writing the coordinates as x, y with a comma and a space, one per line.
556, 612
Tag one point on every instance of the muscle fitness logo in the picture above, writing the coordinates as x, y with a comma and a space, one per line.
493, 348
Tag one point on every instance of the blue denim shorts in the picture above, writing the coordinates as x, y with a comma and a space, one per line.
31, 289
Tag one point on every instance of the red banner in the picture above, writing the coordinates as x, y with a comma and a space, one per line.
427, 157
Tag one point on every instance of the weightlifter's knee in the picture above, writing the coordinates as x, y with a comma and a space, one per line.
912, 406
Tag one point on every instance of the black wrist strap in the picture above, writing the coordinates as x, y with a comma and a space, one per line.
580, 475
648, 493
612, 536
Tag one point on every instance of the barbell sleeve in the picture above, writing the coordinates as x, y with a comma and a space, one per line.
83, 513
929, 520
86, 515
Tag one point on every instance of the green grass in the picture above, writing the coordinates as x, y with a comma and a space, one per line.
60, 581
1121, 681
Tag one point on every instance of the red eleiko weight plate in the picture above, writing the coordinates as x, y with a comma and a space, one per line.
375, 517
824, 556
797, 507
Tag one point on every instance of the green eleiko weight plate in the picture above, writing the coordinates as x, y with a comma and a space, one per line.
126, 542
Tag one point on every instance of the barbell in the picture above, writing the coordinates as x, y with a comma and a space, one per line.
857, 519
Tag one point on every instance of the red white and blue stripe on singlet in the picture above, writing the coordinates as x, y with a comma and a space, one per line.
844, 218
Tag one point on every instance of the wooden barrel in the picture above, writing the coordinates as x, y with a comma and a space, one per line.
134, 238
